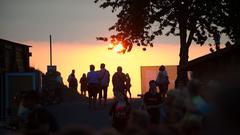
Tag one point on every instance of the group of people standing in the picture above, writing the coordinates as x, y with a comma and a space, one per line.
121, 109
153, 99
96, 84
121, 83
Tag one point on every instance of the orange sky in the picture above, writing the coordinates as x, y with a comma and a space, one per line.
68, 56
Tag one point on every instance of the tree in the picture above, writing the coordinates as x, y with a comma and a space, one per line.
231, 22
191, 20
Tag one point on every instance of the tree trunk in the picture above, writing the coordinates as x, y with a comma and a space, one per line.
182, 77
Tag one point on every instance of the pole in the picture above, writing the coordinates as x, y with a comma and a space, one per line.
50, 50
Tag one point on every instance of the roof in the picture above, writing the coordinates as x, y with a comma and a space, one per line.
212, 56
13, 43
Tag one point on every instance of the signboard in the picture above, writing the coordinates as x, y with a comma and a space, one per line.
150, 73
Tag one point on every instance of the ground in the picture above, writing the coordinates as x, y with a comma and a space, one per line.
74, 110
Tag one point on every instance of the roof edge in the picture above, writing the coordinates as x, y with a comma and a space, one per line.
15, 42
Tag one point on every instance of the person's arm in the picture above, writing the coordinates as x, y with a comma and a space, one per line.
113, 79
125, 78
68, 78
108, 77
167, 80
130, 82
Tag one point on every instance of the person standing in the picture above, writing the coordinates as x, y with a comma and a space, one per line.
217, 38
93, 86
59, 88
118, 81
152, 101
162, 81
83, 83
72, 80
128, 85
36, 119
104, 83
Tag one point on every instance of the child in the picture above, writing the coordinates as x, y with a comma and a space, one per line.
83, 82
120, 111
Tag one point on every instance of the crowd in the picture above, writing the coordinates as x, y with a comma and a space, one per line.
96, 83
200, 108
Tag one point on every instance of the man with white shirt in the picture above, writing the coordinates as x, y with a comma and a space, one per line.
104, 83
93, 86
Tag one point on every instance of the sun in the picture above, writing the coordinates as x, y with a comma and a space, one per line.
116, 47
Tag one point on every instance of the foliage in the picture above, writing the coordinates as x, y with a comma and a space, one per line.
231, 22
140, 21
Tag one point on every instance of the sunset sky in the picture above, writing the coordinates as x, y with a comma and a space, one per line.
74, 25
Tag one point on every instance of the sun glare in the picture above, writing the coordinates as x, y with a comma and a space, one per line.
118, 48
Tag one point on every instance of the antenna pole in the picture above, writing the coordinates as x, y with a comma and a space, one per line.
50, 50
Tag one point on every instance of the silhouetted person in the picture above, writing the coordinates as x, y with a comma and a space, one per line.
83, 83
25, 107
211, 50
118, 81
39, 121
72, 80
59, 88
128, 85
59, 80
93, 86
104, 77
173, 109
162, 81
228, 44
120, 112
199, 105
216, 38
152, 101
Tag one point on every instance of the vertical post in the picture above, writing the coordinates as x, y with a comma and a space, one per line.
50, 50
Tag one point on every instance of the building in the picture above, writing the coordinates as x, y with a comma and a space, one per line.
217, 65
14, 73
14, 57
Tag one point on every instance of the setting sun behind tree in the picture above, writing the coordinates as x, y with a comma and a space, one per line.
116, 47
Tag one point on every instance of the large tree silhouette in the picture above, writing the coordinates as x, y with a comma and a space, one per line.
140, 21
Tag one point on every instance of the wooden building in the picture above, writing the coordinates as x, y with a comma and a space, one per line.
14, 57
14, 73
217, 65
